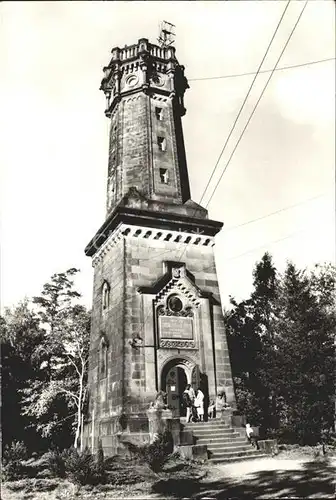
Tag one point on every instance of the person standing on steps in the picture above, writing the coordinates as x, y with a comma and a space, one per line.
212, 410
191, 393
188, 401
199, 404
251, 437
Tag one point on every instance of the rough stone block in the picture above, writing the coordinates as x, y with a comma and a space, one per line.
269, 446
193, 452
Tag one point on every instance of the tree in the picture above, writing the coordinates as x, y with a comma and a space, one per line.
21, 336
305, 355
251, 342
65, 347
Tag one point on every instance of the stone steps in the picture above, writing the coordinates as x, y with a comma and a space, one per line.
234, 458
206, 425
220, 440
210, 428
227, 446
209, 434
224, 443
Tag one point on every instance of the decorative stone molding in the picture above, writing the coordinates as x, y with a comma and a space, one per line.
130, 231
177, 344
180, 286
157, 97
162, 311
188, 359
111, 241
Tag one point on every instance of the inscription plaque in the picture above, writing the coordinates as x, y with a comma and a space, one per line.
176, 327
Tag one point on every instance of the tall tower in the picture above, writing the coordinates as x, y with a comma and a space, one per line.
157, 321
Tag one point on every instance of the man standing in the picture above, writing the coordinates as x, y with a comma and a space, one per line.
188, 400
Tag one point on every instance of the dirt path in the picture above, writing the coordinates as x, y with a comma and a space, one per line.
239, 470
264, 478
272, 478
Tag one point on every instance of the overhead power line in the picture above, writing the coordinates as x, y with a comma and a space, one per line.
283, 68
272, 242
240, 110
235, 122
244, 101
276, 212
256, 105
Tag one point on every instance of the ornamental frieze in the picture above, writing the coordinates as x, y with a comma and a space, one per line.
177, 344
164, 311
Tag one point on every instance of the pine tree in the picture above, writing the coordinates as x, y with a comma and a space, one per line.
251, 342
305, 358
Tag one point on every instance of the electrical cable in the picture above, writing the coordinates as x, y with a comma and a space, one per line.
283, 68
244, 101
241, 109
289, 207
256, 74
253, 111
257, 103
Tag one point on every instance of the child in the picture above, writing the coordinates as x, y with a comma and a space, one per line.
211, 410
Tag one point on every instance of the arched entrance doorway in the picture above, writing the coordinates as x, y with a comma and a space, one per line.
175, 376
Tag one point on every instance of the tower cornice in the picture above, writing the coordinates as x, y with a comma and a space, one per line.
143, 66
158, 220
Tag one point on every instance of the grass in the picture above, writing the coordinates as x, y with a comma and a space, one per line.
294, 473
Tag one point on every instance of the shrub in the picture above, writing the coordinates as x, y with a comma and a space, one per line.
158, 452
100, 463
16, 451
55, 463
82, 468
13, 456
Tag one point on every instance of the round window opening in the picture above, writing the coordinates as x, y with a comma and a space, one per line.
132, 80
175, 303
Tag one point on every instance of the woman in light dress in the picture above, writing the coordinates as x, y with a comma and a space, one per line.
199, 404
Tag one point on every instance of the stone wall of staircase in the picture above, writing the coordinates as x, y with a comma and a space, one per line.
224, 443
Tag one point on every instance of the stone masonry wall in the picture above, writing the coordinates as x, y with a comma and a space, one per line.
144, 266
135, 158
106, 391
132, 263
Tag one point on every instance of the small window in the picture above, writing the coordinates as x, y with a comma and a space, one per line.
159, 113
106, 296
162, 143
163, 175
103, 358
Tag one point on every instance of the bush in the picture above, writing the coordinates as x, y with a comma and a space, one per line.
55, 463
82, 468
16, 451
158, 452
100, 463
13, 456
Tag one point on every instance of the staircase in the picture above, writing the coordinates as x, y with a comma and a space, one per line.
223, 442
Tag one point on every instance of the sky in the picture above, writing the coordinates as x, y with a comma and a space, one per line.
54, 134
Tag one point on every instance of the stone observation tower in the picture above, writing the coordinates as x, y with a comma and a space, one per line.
157, 320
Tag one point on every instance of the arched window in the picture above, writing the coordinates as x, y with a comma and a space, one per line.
106, 296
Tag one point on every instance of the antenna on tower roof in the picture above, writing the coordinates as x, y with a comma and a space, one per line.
167, 34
